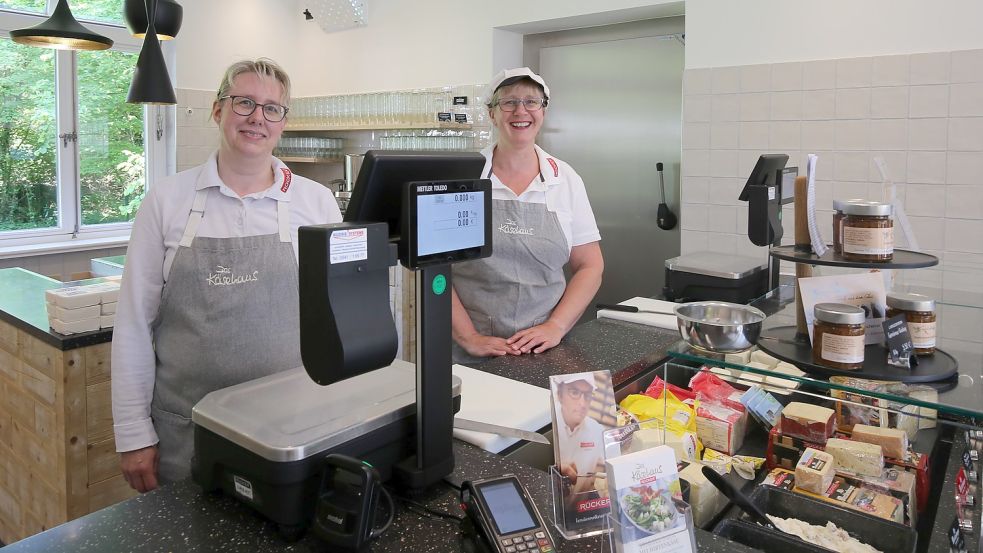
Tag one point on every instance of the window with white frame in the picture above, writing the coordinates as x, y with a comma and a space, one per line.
75, 158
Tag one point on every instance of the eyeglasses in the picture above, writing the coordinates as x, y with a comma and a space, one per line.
577, 393
243, 105
531, 104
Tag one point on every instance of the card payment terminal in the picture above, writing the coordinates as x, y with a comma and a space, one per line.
505, 515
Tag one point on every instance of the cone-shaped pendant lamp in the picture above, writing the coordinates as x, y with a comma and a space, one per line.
151, 84
170, 14
61, 31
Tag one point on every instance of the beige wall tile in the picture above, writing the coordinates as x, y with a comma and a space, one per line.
927, 134
929, 101
818, 104
964, 168
853, 72
723, 163
724, 136
820, 74
850, 166
853, 103
926, 167
725, 80
754, 135
964, 202
785, 135
966, 134
696, 136
693, 217
696, 108
755, 78
966, 99
755, 106
697, 81
694, 189
786, 76
967, 66
786, 106
889, 102
889, 70
927, 201
725, 107
889, 134
852, 134
932, 68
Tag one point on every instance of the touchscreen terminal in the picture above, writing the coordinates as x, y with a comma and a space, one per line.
447, 221
508, 511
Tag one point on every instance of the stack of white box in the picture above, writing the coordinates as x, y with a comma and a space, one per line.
86, 308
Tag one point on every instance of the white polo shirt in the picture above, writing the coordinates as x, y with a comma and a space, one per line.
157, 230
560, 188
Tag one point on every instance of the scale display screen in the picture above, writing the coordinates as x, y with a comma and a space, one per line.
450, 221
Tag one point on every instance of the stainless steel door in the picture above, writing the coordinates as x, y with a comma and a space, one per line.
616, 110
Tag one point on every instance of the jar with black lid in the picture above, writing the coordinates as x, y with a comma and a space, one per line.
838, 336
838, 222
868, 231
919, 313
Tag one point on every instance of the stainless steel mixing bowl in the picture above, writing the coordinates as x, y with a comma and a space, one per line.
719, 326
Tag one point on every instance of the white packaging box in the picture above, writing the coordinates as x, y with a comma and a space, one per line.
72, 315
109, 308
107, 321
85, 325
74, 297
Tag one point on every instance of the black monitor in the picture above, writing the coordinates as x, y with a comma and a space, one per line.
382, 193
766, 172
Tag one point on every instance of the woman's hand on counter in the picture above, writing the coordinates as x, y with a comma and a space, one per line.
480, 345
537, 339
140, 468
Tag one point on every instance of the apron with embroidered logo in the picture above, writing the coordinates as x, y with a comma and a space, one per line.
229, 313
520, 284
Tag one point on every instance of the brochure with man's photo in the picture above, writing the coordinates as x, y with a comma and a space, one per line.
583, 408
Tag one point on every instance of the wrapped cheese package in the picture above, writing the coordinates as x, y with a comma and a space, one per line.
815, 470
893, 442
809, 422
856, 457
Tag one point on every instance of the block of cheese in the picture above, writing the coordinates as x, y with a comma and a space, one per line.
814, 471
705, 499
926, 416
73, 297
72, 315
108, 291
749, 378
893, 442
809, 422
758, 356
107, 321
85, 325
856, 457
109, 308
739, 358
685, 445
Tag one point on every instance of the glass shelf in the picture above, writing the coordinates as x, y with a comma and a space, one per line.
902, 259
960, 397
386, 127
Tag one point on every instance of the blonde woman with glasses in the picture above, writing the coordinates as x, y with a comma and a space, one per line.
209, 296
518, 301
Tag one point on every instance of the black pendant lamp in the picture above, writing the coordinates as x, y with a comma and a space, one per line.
170, 14
151, 83
61, 31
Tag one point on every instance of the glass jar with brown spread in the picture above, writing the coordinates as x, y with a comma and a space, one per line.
838, 336
919, 313
838, 222
868, 232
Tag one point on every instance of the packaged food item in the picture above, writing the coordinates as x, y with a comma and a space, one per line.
809, 422
919, 313
762, 406
893, 442
868, 232
838, 336
856, 457
721, 421
814, 471
845, 494
705, 499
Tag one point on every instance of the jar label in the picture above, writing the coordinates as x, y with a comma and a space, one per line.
868, 241
843, 349
922, 334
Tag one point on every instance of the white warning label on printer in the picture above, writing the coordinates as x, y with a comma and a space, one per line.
348, 245
243, 487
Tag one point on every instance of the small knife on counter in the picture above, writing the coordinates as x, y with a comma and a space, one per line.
507, 431
631, 309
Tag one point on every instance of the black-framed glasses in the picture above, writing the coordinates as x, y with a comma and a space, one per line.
244, 105
531, 104
577, 393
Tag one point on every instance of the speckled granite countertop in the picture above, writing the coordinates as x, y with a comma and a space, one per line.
181, 518
22, 305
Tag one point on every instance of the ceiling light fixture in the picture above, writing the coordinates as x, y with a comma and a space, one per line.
170, 14
151, 84
339, 15
62, 32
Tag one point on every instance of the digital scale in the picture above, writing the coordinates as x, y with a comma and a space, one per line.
264, 442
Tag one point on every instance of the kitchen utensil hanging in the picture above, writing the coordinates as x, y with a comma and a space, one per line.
664, 217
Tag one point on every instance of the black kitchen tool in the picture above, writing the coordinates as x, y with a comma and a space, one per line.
630, 309
739, 499
664, 217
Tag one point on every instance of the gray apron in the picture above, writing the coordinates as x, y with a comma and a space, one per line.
520, 284
228, 314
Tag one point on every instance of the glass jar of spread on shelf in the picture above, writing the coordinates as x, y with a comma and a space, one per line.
919, 313
838, 222
868, 232
838, 336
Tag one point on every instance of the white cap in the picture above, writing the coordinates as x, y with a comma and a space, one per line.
506, 77
587, 377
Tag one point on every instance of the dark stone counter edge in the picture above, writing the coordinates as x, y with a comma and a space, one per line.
61, 341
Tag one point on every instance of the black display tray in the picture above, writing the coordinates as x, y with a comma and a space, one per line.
781, 342
879, 533
902, 259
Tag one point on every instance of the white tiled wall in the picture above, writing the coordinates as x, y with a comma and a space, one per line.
197, 134
921, 113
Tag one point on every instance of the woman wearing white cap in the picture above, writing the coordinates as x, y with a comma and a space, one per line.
518, 301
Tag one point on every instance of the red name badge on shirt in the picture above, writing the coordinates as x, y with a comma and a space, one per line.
286, 179
556, 170
587, 445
